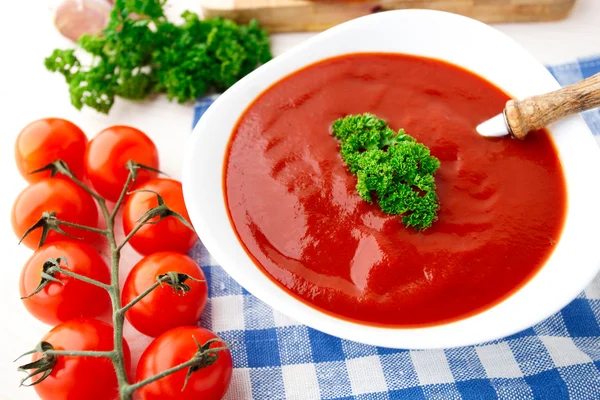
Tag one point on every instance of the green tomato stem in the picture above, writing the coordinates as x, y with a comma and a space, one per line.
115, 296
141, 223
121, 196
140, 297
67, 172
82, 227
73, 353
193, 361
83, 278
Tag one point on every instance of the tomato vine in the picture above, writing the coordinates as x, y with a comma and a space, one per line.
203, 357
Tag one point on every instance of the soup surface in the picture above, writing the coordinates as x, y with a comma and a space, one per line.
295, 208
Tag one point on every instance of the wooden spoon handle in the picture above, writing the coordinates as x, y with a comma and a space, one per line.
538, 111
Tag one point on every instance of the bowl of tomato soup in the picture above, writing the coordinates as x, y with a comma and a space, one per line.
274, 203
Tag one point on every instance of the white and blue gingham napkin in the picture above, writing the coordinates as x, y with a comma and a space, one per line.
278, 358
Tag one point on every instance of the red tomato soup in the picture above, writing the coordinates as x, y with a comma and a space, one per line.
295, 208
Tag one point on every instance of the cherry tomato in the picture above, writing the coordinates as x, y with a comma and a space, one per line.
175, 347
107, 155
56, 302
47, 140
169, 234
77, 378
164, 308
70, 203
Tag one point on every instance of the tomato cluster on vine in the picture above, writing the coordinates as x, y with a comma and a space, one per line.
68, 283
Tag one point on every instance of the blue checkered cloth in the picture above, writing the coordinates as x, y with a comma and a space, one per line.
275, 357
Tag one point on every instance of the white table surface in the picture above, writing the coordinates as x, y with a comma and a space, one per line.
29, 92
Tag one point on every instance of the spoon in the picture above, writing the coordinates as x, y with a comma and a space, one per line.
523, 116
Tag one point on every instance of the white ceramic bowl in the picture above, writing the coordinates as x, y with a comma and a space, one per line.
458, 40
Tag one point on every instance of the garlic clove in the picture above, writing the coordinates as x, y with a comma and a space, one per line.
74, 18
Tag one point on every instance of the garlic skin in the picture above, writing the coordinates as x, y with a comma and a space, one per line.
74, 18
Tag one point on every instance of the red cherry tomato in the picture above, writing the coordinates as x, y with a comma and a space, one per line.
164, 308
169, 234
56, 302
175, 347
77, 378
47, 140
66, 199
107, 155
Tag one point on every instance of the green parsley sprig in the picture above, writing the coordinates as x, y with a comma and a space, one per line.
140, 53
392, 168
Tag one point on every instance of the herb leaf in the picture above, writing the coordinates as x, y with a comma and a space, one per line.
392, 168
141, 53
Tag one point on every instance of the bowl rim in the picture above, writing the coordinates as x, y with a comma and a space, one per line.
215, 233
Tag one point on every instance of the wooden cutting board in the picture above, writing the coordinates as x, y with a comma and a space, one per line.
317, 15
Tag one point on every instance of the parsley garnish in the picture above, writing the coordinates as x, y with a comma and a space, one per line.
392, 168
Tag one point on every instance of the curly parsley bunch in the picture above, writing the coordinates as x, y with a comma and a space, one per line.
392, 168
141, 53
